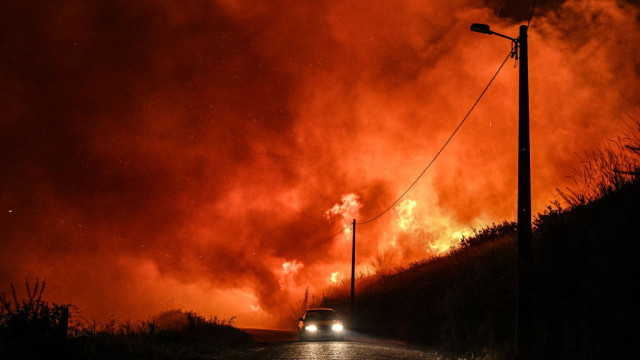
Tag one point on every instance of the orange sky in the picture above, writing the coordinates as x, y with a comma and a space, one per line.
162, 155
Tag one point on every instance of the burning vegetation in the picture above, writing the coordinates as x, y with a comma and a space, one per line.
584, 269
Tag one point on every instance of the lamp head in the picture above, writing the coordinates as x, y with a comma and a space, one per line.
481, 28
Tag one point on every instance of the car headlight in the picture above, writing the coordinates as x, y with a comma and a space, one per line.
311, 328
337, 327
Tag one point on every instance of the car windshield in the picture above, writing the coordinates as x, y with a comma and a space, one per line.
321, 315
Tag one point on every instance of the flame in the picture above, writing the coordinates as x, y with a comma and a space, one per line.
462, 233
336, 277
406, 219
422, 234
441, 246
348, 210
287, 275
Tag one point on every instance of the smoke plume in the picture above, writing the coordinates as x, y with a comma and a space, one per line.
201, 154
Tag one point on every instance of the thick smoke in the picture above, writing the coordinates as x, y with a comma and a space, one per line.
191, 154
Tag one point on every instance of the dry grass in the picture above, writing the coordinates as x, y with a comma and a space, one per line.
34, 329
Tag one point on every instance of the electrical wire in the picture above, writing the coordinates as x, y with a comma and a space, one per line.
531, 14
439, 151
428, 166
330, 237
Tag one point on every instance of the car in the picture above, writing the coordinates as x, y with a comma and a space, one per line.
320, 323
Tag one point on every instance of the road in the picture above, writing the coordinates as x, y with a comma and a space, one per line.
279, 345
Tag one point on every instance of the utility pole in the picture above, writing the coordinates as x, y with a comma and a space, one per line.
524, 282
524, 312
353, 268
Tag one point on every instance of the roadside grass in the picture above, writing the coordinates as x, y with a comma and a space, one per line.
35, 329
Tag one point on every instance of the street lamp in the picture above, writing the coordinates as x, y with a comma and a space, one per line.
524, 302
484, 29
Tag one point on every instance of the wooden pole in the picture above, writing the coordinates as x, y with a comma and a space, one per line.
353, 267
524, 312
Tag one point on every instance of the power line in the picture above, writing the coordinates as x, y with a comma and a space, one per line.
331, 237
428, 166
441, 149
531, 15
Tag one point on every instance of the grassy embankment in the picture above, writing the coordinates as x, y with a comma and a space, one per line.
585, 257
35, 329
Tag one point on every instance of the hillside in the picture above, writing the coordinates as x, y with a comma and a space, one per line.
463, 303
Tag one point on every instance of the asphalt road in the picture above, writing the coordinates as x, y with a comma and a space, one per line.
338, 350
280, 345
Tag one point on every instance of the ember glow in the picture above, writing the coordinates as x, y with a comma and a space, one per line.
199, 154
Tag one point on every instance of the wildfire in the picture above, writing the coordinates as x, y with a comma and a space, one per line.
336, 277
348, 209
288, 273
406, 219
458, 235
421, 234
198, 169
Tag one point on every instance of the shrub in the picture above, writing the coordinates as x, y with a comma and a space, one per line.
32, 321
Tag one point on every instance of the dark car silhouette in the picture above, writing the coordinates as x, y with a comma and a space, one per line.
321, 323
